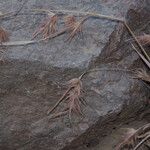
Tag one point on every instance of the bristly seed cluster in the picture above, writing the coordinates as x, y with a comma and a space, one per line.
135, 138
142, 74
73, 98
144, 39
73, 26
49, 27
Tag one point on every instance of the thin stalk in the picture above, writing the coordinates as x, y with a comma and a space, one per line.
138, 145
20, 43
141, 56
99, 69
138, 131
59, 101
57, 115
135, 38
82, 13
44, 10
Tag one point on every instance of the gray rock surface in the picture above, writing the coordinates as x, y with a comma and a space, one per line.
32, 77
55, 53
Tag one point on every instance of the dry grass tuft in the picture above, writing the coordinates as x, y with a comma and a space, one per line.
48, 27
144, 39
70, 22
135, 138
73, 26
142, 74
73, 98
3, 35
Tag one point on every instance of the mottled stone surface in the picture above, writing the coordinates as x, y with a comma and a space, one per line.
58, 52
32, 77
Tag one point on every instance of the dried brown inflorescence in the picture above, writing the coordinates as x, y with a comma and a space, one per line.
144, 39
70, 22
142, 74
3, 35
72, 97
135, 138
74, 26
48, 27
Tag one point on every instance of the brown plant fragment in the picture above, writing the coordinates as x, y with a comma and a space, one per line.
73, 26
73, 97
3, 35
48, 27
144, 39
70, 22
135, 138
142, 74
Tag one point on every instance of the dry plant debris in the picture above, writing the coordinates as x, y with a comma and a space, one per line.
144, 39
73, 98
135, 138
48, 27
3, 35
147, 62
142, 74
137, 42
73, 29
74, 26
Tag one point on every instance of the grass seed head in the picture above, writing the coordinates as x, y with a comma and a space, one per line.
74, 27
74, 96
48, 27
144, 39
134, 137
142, 74
70, 22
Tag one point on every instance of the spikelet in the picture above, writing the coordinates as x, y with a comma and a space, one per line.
144, 39
48, 27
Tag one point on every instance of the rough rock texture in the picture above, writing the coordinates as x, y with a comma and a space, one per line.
32, 77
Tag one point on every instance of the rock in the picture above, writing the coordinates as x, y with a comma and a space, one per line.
32, 77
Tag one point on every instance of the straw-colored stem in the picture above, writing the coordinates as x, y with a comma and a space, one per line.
135, 38
141, 56
57, 115
44, 10
81, 13
59, 101
100, 69
145, 139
